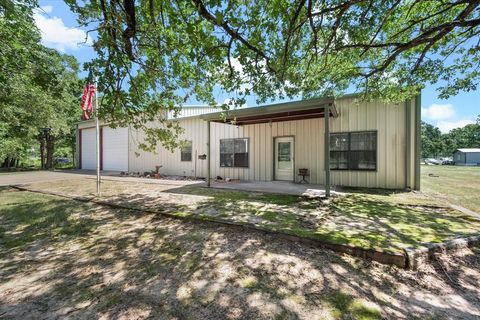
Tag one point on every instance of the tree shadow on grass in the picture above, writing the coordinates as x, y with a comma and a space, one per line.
138, 265
351, 220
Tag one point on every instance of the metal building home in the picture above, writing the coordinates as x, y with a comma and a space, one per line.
344, 142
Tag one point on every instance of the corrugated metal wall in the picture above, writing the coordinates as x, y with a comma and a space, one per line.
189, 111
388, 119
472, 158
195, 130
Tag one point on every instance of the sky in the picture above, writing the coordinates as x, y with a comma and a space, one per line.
60, 31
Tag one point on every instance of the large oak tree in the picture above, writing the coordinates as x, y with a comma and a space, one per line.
39, 87
154, 55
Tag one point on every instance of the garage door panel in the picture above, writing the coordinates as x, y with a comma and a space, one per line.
88, 149
115, 149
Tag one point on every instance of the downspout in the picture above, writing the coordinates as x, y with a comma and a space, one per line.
418, 142
327, 150
408, 143
208, 154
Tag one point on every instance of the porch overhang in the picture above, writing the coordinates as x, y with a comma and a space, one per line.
289, 111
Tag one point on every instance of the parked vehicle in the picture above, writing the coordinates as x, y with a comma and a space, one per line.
433, 161
62, 160
447, 162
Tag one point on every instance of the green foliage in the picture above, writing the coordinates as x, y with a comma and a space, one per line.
39, 87
435, 144
155, 55
432, 142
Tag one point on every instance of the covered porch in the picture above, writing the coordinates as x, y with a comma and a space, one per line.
280, 149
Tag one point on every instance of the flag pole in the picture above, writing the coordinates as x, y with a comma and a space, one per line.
97, 129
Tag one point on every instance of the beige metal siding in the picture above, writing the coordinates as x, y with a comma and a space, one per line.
195, 130
389, 120
189, 111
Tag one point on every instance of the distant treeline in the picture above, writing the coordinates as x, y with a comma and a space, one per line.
437, 144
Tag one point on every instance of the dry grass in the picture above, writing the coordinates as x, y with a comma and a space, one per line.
453, 184
383, 220
61, 258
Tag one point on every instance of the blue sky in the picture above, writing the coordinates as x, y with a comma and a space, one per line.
60, 31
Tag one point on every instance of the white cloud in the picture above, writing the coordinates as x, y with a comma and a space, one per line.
55, 34
446, 126
438, 111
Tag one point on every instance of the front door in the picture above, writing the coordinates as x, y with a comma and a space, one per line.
284, 156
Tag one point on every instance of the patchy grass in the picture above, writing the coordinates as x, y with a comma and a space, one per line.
26, 217
388, 221
344, 306
379, 219
454, 184
84, 260
383, 223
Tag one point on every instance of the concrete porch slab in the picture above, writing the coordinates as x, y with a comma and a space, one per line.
280, 187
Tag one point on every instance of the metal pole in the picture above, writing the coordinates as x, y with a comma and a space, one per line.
208, 153
97, 129
327, 151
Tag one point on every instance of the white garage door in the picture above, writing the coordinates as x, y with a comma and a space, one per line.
115, 149
88, 149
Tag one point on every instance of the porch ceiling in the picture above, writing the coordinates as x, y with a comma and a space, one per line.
296, 110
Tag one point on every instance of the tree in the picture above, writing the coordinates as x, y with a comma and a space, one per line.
155, 55
435, 144
466, 137
39, 87
432, 142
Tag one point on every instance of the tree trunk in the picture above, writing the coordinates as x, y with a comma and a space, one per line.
42, 153
5, 163
12, 162
50, 150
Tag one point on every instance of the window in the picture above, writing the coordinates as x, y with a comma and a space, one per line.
353, 151
234, 153
186, 151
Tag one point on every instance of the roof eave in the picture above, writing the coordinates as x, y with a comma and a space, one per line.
272, 109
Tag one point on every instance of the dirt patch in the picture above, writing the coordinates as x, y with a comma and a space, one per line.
88, 261
385, 221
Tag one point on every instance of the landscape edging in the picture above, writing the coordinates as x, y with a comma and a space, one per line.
390, 258
419, 256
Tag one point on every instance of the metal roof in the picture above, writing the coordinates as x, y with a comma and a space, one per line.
294, 110
469, 150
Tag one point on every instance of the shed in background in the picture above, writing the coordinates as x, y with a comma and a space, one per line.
467, 157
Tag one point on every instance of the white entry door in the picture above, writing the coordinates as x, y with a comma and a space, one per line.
284, 156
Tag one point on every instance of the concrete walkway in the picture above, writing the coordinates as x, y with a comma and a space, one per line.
27, 177
280, 187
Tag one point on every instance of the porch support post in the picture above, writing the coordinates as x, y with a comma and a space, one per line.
208, 153
327, 150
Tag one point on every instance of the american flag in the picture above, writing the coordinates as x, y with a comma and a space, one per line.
87, 99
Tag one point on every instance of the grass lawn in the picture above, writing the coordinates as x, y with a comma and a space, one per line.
386, 221
61, 258
455, 184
